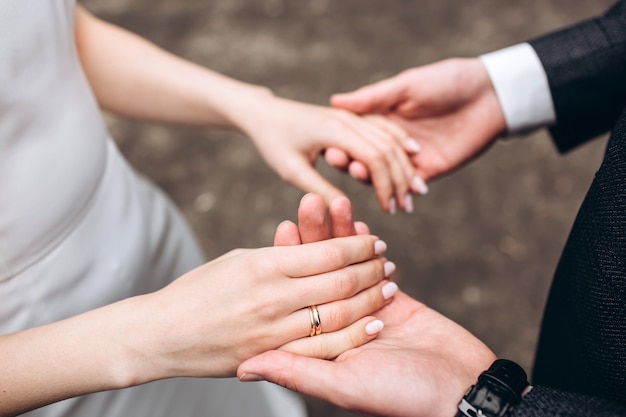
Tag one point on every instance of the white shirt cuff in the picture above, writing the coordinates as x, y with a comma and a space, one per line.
522, 87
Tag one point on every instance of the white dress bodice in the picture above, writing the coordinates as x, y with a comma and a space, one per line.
79, 228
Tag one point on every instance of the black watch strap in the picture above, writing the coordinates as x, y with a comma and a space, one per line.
496, 392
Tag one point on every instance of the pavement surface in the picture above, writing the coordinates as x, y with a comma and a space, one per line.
481, 247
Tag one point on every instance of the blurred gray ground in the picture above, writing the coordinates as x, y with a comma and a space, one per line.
481, 247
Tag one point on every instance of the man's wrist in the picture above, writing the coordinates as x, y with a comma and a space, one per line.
497, 391
522, 87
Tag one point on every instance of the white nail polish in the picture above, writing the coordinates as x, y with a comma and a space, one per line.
374, 327
389, 289
389, 268
419, 185
408, 203
392, 205
380, 247
413, 145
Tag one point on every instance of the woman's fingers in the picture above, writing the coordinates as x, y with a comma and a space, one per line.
330, 345
382, 157
337, 158
341, 284
337, 315
325, 256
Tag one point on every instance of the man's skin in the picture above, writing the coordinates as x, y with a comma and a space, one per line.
421, 364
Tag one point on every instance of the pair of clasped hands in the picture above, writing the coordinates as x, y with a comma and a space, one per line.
397, 134
420, 363
380, 351
256, 323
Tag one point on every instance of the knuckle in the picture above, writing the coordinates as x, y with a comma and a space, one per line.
377, 154
336, 255
319, 350
353, 340
264, 267
337, 317
388, 149
336, 126
348, 282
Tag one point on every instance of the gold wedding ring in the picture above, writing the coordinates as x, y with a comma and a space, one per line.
316, 322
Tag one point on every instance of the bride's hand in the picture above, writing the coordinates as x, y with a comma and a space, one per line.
249, 301
291, 136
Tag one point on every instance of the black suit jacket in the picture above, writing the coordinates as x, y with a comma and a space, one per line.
580, 367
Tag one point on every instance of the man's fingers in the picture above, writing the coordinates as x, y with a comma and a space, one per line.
341, 219
299, 373
379, 97
362, 228
287, 234
312, 219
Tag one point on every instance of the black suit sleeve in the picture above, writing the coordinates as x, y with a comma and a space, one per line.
586, 69
542, 401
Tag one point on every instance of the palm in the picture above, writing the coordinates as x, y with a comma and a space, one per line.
419, 365
438, 359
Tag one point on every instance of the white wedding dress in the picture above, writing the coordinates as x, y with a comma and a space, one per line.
79, 228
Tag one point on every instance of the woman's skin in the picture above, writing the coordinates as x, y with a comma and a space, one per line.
133, 78
421, 364
204, 324
450, 108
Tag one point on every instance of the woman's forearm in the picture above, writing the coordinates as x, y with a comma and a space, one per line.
134, 78
80, 355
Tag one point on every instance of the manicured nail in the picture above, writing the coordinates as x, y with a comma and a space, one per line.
389, 267
412, 145
392, 205
408, 203
419, 185
374, 327
252, 377
389, 289
380, 247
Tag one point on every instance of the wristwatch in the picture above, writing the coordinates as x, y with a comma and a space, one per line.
496, 392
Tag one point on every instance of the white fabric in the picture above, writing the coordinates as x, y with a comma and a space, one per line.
522, 87
78, 228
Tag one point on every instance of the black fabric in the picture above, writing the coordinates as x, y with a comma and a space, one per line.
582, 346
580, 368
585, 65
543, 401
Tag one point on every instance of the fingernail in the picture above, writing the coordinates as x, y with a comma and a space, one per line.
389, 267
392, 205
413, 145
374, 327
250, 378
419, 185
389, 289
380, 247
408, 203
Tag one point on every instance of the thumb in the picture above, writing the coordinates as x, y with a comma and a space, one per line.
379, 97
298, 373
